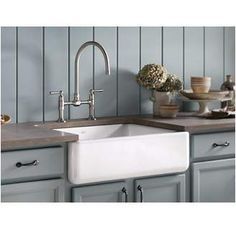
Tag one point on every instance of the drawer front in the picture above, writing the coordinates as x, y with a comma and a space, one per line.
214, 144
49, 162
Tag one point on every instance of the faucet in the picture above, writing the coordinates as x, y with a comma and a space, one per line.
76, 100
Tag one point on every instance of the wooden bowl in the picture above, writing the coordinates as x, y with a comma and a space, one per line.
211, 95
200, 84
5, 119
169, 110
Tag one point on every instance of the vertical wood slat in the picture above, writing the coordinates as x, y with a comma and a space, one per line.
214, 59
8, 72
193, 54
106, 102
31, 66
214, 55
173, 50
230, 51
173, 53
150, 54
30, 74
78, 36
56, 69
128, 66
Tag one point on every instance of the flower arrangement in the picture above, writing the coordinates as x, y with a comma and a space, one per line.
156, 77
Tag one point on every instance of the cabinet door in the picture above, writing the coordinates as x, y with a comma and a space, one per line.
161, 189
38, 191
214, 181
114, 192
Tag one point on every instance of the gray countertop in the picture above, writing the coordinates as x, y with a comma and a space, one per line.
23, 135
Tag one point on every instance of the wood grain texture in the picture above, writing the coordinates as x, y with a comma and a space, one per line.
150, 53
30, 74
56, 69
106, 102
8, 72
128, 67
78, 36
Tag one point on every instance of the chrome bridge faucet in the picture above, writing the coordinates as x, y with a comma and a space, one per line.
76, 100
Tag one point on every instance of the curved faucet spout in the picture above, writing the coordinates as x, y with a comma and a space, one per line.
77, 59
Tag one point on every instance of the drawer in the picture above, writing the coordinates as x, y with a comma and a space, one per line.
49, 162
214, 144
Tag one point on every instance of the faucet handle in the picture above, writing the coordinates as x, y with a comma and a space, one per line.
92, 91
56, 92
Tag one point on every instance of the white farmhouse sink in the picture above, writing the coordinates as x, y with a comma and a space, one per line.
121, 151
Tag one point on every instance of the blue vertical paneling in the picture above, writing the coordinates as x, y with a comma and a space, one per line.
78, 36
150, 53
173, 50
128, 67
214, 59
230, 51
35, 61
30, 74
194, 54
8, 72
214, 55
106, 102
55, 62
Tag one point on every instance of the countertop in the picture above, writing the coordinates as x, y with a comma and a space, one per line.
23, 135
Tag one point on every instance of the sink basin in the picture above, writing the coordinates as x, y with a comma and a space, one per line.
122, 151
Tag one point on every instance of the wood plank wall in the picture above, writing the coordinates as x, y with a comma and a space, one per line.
36, 60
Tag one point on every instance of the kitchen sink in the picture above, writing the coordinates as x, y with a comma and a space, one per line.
120, 151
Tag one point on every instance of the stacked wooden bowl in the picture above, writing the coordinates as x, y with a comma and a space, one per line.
200, 84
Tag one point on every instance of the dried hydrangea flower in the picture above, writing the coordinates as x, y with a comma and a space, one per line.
171, 84
152, 76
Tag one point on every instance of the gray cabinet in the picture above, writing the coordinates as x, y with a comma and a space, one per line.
214, 181
38, 191
213, 145
113, 192
50, 163
161, 189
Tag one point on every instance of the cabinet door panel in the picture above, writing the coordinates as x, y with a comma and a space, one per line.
161, 189
100, 193
214, 181
38, 191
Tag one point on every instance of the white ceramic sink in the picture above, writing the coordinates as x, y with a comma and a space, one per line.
121, 151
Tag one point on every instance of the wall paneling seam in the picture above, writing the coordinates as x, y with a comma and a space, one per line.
93, 60
223, 53
17, 76
43, 53
68, 67
117, 70
204, 50
162, 45
140, 54
183, 57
